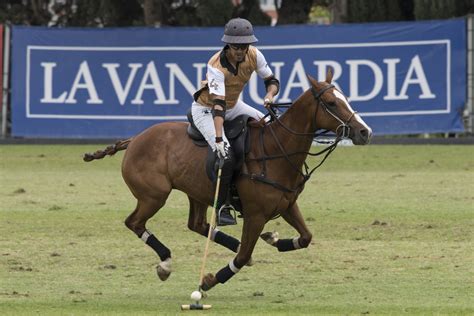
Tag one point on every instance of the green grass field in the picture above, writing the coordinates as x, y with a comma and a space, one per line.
393, 231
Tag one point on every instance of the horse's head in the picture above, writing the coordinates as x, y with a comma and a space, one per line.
334, 112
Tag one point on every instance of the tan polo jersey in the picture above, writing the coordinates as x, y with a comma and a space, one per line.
224, 80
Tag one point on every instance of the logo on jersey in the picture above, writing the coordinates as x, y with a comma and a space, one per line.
213, 84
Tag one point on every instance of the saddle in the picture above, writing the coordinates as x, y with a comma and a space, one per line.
237, 132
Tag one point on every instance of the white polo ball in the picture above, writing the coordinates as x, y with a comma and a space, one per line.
196, 295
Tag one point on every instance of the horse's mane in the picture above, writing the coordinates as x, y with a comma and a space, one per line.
261, 123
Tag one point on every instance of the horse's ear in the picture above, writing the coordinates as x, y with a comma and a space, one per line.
329, 75
313, 81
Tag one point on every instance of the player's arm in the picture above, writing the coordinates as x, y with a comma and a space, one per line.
272, 85
217, 96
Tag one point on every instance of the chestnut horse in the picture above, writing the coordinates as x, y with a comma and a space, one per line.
163, 158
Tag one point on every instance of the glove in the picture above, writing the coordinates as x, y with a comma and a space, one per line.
267, 102
222, 150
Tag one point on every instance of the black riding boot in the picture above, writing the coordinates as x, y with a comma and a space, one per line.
225, 211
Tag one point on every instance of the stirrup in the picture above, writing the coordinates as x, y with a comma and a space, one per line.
225, 216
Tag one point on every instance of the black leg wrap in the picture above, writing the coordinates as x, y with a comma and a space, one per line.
285, 245
224, 274
227, 241
159, 248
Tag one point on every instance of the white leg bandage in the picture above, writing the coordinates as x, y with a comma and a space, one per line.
213, 233
145, 236
233, 267
296, 244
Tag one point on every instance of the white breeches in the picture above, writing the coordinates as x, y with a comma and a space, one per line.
202, 116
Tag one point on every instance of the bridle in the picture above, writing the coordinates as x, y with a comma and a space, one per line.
343, 126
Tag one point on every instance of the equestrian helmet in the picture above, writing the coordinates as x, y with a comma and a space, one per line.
239, 31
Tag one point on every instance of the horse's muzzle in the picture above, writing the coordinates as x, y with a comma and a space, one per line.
361, 136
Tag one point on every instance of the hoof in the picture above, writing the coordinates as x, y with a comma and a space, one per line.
270, 238
164, 269
208, 282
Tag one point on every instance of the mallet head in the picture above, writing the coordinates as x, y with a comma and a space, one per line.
195, 307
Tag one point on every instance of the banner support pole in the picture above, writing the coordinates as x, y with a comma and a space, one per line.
6, 82
468, 111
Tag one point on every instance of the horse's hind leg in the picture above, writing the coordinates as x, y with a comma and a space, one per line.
136, 222
197, 222
293, 217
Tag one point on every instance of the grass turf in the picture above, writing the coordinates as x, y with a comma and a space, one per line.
392, 227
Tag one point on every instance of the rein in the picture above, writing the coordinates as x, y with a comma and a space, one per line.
307, 172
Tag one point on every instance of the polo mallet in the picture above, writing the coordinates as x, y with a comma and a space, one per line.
197, 296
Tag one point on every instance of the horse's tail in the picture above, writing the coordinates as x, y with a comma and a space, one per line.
110, 150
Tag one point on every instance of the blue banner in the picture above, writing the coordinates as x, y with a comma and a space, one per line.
402, 78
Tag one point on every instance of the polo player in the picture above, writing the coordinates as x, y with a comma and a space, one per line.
228, 71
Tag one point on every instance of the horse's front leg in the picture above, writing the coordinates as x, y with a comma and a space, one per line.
293, 217
251, 230
197, 222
